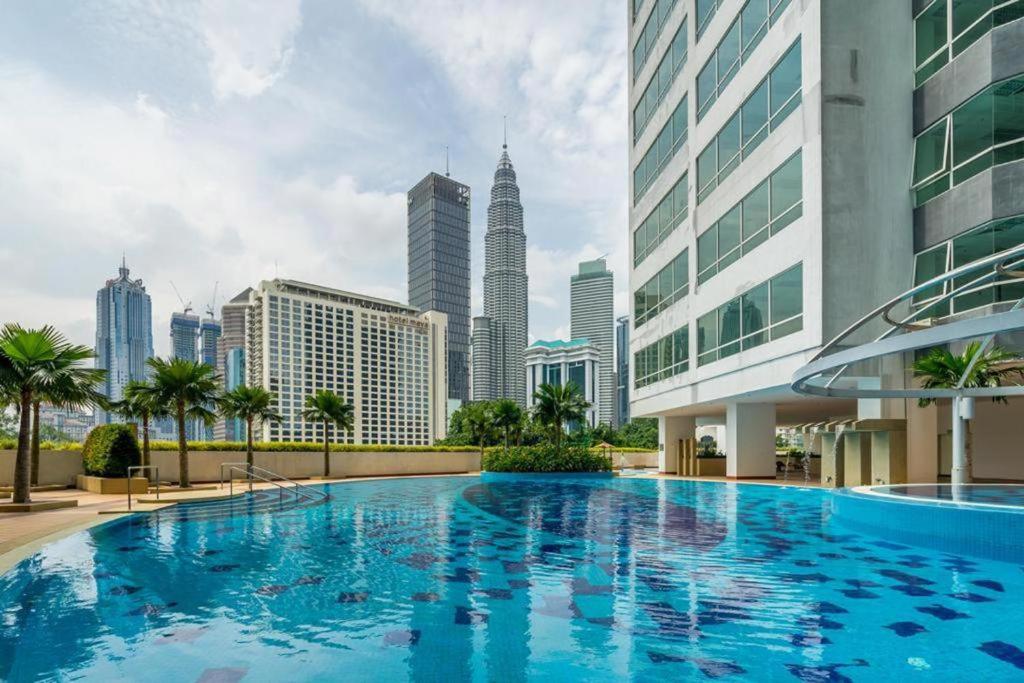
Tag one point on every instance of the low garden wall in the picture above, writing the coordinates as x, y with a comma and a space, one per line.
62, 467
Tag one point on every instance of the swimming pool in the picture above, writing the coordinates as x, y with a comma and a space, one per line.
453, 579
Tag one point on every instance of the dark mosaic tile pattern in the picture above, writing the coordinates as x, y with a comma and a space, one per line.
453, 579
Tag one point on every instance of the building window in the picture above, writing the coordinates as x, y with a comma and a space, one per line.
670, 285
667, 215
945, 28
769, 105
770, 207
667, 357
649, 35
985, 131
745, 33
981, 242
664, 147
764, 313
661, 81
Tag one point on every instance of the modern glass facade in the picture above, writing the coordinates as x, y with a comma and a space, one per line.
763, 313
664, 289
661, 80
770, 207
439, 266
775, 98
945, 28
669, 140
745, 34
667, 357
666, 217
981, 242
592, 317
124, 335
576, 361
649, 35
622, 370
185, 336
985, 131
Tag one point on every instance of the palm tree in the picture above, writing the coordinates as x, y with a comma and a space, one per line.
508, 416
249, 404
942, 369
557, 405
479, 421
186, 387
329, 408
63, 391
142, 401
30, 361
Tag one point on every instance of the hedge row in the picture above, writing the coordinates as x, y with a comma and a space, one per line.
12, 444
545, 458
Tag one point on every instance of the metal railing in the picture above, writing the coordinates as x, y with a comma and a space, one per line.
142, 467
252, 472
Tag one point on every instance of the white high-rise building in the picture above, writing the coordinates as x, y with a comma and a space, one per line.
387, 359
592, 317
561, 362
500, 335
794, 164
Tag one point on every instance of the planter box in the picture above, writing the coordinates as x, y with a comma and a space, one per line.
710, 467
111, 485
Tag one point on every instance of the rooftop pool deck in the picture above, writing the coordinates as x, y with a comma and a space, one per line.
519, 578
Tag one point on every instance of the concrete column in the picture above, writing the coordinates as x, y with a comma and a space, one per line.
670, 431
750, 434
922, 442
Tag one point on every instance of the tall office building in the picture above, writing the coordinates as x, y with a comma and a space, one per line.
185, 336
388, 360
439, 271
232, 340
622, 371
592, 317
124, 335
209, 338
770, 157
503, 327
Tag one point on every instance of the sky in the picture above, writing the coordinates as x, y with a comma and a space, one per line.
217, 143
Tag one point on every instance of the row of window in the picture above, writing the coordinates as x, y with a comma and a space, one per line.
665, 358
670, 285
745, 33
661, 81
668, 142
770, 207
985, 131
764, 313
705, 13
945, 28
770, 103
649, 35
667, 215
979, 243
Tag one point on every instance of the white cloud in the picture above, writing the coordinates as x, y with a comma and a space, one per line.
251, 43
82, 179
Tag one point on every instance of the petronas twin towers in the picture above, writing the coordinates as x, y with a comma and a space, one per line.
499, 335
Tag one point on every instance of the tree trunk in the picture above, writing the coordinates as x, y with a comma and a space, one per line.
22, 462
327, 451
248, 441
35, 443
506, 439
145, 444
183, 480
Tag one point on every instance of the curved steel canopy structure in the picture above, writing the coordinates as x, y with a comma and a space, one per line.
920, 329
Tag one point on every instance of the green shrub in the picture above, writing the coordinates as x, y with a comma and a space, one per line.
110, 450
12, 444
545, 458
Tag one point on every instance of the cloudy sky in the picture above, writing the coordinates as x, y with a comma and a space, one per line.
229, 140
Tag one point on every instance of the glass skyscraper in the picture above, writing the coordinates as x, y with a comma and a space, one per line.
592, 316
499, 336
439, 270
622, 371
124, 335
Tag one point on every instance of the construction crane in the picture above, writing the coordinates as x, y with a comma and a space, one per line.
186, 307
210, 310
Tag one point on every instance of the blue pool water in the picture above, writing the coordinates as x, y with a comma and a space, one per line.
977, 494
452, 579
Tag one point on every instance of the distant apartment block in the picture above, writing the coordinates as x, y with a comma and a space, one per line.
592, 317
577, 361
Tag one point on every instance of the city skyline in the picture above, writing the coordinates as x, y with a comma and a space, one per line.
262, 143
